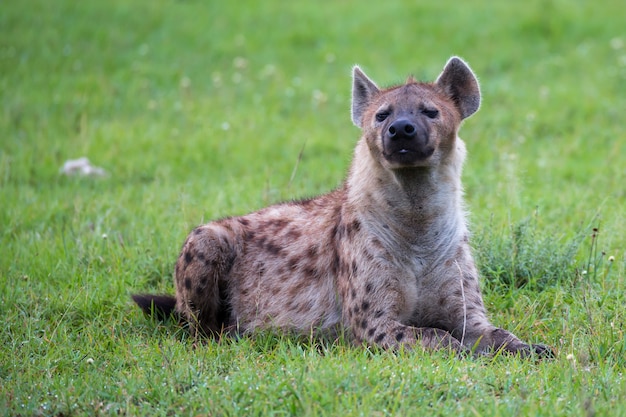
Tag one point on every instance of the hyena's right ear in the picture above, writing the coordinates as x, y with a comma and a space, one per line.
363, 89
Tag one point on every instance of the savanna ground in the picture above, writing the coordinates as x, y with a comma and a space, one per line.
199, 110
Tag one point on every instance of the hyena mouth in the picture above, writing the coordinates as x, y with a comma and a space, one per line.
408, 156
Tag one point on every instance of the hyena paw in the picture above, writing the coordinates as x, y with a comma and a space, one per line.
506, 342
523, 350
543, 351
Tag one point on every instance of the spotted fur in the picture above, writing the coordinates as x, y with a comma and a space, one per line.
386, 256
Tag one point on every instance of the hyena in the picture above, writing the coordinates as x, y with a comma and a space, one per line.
385, 257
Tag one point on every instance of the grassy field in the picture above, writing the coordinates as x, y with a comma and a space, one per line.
200, 109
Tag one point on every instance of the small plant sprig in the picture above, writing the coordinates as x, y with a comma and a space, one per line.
594, 271
595, 262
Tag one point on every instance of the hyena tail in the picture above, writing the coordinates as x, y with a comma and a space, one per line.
161, 307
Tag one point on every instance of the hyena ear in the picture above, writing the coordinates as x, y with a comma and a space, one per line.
459, 82
363, 89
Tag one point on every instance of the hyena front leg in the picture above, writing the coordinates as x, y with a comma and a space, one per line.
375, 320
202, 278
387, 332
469, 322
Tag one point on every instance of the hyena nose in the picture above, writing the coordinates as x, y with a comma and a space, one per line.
402, 129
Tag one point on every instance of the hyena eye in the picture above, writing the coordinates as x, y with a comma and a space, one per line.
430, 113
381, 116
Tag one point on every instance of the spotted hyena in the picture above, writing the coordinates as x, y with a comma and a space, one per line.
386, 257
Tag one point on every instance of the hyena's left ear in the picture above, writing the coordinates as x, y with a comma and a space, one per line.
459, 82
363, 89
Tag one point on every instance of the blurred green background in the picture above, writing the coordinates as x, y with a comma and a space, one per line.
202, 109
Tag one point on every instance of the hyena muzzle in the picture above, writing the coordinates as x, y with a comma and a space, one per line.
385, 257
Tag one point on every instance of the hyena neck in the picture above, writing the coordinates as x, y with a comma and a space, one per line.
414, 202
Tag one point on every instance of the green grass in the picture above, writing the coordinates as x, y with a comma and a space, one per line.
199, 110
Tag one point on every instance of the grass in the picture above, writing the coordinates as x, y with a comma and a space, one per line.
199, 110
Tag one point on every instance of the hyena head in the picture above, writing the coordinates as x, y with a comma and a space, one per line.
415, 124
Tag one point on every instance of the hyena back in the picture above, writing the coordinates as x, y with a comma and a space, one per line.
385, 257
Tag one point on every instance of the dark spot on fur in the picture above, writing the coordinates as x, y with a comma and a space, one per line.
310, 271
356, 309
229, 262
380, 337
354, 268
376, 243
282, 223
364, 324
227, 225
378, 314
188, 257
368, 288
306, 307
352, 293
292, 263
365, 305
188, 283
197, 230
275, 225
336, 262
399, 336
273, 248
442, 301
371, 332
293, 234
295, 290
351, 229
275, 291
312, 251
203, 281
249, 235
